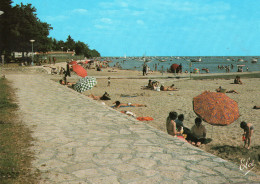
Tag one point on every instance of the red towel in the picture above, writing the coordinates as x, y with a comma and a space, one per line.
145, 118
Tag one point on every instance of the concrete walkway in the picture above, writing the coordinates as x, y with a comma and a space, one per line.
79, 140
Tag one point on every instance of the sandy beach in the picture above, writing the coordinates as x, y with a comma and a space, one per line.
227, 140
126, 87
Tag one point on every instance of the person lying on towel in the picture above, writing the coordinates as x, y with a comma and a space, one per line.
119, 104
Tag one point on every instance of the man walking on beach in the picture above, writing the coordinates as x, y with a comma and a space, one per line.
144, 69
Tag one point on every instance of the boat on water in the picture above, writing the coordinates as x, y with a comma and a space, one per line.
254, 60
196, 60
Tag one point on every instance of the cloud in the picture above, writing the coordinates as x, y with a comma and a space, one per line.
80, 11
98, 26
106, 20
56, 18
212, 18
140, 22
123, 4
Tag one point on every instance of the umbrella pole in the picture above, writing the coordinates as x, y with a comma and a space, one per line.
211, 132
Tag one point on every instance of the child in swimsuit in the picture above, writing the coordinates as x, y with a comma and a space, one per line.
248, 132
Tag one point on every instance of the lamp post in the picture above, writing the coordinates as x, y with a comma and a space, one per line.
62, 49
3, 56
32, 49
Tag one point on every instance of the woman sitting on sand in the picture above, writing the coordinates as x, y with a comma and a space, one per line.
248, 132
119, 104
155, 85
105, 96
151, 85
171, 126
170, 88
230, 91
237, 80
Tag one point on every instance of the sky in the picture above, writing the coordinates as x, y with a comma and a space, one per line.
156, 27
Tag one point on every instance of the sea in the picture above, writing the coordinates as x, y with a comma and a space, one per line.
214, 64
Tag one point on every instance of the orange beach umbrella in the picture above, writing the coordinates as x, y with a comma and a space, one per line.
73, 63
79, 70
216, 108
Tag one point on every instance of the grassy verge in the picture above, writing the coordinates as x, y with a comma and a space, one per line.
15, 142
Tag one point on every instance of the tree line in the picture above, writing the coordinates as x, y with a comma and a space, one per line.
19, 24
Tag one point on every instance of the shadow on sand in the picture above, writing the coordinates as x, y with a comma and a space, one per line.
238, 155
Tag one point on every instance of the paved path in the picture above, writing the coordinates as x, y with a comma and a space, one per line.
79, 140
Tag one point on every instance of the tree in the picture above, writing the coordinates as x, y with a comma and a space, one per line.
5, 25
70, 43
81, 48
27, 27
93, 53
19, 25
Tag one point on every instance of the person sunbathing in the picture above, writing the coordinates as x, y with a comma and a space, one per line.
256, 107
66, 83
220, 89
105, 96
119, 104
129, 113
169, 88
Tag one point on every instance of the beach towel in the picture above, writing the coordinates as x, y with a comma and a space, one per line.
181, 138
145, 118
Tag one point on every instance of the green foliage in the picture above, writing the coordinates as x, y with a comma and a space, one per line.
5, 102
20, 23
79, 47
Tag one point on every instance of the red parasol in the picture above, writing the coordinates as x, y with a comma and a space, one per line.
80, 71
73, 63
216, 108
174, 66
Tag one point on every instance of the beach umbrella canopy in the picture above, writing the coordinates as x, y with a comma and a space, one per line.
85, 83
216, 108
174, 67
73, 63
79, 70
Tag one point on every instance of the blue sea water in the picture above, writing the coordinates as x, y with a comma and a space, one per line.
210, 62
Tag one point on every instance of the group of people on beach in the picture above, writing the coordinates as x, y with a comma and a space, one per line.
155, 85
174, 122
197, 134
175, 127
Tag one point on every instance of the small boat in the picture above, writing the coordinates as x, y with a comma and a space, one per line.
196, 60
254, 60
205, 69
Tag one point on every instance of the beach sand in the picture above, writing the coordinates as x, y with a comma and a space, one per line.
226, 140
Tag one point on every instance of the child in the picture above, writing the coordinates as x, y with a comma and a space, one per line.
248, 132
108, 82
